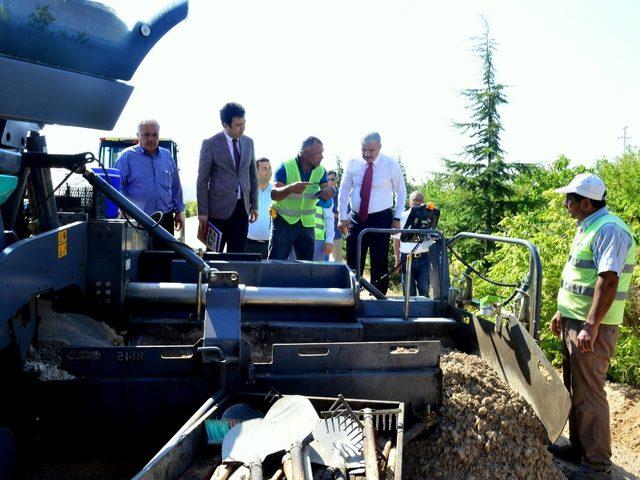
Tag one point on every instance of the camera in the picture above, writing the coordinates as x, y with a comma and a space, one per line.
420, 218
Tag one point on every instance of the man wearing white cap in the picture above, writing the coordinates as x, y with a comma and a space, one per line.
591, 300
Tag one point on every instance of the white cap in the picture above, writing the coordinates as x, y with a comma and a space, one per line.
587, 185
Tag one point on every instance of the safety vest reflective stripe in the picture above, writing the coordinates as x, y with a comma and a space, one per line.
287, 211
300, 196
583, 263
300, 207
319, 228
580, 275
588, 291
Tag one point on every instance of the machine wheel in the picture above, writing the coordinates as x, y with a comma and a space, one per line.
7, 454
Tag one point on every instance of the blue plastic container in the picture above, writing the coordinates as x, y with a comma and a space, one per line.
110, 210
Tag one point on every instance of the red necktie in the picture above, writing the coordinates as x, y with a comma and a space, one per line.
236, 153
365, 192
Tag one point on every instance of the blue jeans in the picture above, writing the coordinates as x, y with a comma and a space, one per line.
285, 237
419, 274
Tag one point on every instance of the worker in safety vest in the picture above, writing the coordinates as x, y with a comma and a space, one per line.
301, 184
591, 301
324, 233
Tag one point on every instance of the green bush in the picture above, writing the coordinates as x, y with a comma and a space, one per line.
544, 221
191, 208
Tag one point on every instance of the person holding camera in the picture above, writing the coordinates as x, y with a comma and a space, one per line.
419, 283
301, 185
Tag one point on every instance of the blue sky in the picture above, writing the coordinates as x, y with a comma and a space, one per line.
337, 69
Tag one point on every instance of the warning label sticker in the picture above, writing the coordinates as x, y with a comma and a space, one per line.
62, 243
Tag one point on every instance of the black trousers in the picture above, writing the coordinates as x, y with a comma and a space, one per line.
255, 246
168, 225
167, 222
234, 229
375, 243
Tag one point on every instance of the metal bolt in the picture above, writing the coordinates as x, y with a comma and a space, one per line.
107, 284
98, 292
234, 277
107, 292
145, 30
98, 284
214, 277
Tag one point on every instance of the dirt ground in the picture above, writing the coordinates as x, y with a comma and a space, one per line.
624, 403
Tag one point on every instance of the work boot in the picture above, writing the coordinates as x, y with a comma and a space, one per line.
591, 471
568, 452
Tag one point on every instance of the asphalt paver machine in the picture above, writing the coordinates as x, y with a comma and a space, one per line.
191, 324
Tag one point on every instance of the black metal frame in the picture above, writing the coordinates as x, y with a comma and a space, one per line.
442, 274
535, 272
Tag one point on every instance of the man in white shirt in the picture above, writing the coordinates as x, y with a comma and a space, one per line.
259, 231
374, 188
420, 262
324, 234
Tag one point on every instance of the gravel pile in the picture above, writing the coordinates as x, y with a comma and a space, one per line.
484, 430
46, 371
58, 330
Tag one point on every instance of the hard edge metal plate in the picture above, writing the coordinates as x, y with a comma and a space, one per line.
518, 360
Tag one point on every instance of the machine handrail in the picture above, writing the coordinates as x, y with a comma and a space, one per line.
422, 231
535, 272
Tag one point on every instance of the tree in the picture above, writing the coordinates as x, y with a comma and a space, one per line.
407, 183
484, 174
339, 170
191, 208
544, 221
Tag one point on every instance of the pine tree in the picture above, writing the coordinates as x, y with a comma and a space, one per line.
408, 185
484, 174
339, 170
